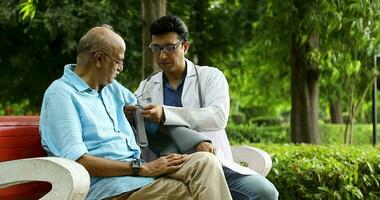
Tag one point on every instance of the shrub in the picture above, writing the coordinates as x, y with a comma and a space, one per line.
330, 133
263, 121
251, 133
325, 172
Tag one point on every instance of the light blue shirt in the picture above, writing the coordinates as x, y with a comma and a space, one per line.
76, 119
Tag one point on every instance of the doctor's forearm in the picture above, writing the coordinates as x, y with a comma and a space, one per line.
196, 118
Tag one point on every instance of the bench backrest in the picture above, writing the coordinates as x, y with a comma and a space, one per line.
20, 138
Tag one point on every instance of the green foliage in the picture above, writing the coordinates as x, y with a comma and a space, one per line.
33, 52
348, 36
330, 133
257, 49
354, 25
334, 134
250, 40
251, 133
22, 108
28, 8
325, 172
221, 34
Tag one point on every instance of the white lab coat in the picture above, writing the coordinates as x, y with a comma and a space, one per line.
210, 120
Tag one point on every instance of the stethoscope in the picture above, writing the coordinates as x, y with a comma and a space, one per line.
201, 102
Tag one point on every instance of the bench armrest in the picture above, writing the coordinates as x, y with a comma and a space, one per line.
69, 179
255, 159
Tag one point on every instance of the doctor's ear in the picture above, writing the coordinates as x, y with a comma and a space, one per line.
186, 46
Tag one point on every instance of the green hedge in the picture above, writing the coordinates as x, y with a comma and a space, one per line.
251, 133
325, 172
330, 133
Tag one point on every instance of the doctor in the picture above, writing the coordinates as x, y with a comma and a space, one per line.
197, 97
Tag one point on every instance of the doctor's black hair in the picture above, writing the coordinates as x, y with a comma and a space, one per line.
169, 23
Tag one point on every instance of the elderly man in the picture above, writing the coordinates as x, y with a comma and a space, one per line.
82, 119
186, 95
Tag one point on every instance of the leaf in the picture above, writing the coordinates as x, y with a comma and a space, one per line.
28, 9
371, 170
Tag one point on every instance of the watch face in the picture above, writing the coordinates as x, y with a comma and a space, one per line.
136, 164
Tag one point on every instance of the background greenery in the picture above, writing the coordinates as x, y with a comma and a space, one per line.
253, 42
247, 39
330, 133
325, 172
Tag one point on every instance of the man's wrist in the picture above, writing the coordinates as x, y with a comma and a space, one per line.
136, 166
144, 170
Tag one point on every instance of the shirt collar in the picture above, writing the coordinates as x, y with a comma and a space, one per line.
74, 79
165, 80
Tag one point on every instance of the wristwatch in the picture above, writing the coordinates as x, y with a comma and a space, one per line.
136, 166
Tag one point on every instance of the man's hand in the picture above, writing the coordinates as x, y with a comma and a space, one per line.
205, 146
153, 112
163, 165
128, 112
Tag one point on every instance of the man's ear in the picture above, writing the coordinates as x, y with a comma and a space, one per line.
186, 46
98, 58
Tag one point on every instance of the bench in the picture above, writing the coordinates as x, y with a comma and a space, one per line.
26, 172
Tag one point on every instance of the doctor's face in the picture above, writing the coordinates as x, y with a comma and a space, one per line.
169, 52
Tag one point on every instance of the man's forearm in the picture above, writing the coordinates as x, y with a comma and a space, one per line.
103, 167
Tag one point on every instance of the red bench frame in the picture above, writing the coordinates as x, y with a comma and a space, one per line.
20, 138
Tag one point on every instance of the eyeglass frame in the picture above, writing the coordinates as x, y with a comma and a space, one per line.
118, 61
172, 46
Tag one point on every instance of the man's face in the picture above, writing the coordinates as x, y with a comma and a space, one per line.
169, 61
116, 61
112, 65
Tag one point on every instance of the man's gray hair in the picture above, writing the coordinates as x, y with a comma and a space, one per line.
92, 42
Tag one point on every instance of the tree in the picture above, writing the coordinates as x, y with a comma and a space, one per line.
151, 10
353, 40
34, 50
291, 37
220, 34
301, 34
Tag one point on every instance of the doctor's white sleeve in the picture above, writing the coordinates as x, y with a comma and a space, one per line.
214, 115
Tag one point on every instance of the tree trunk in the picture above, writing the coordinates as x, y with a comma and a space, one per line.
305, 91
151, 10
350, 114
354, 109
336, 112
198, 16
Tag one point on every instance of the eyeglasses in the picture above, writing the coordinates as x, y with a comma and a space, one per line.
169, 48
118, 61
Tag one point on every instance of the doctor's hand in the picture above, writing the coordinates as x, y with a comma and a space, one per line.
153, 112
205, 146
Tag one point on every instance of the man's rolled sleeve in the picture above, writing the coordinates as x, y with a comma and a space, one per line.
75, 152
